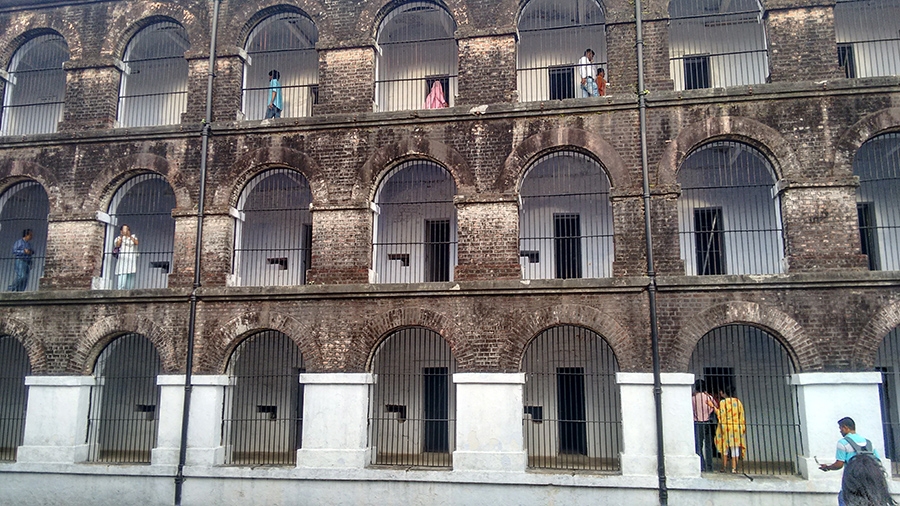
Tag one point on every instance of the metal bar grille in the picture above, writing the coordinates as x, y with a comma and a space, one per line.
23, 207
283, 43
868, 37
749, 364
717, 43
877, 163
14, 366
729, 218
413, 401
264, 402
553, 37
572, 415
273, 230
154, 82
144, 203
124, 402
887, 361
415, 225
416, 49
565, 219
36, 87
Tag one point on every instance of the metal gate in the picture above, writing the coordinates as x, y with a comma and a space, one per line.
14, 366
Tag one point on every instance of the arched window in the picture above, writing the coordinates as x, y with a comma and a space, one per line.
411, 415
14, 366
35, 87
729, 216
155, 76
144, 203
877, 164
286, 43
264, 401
273, 230
553, 37
23, 208
868, 37
416, 49
717, 44
124, 402
572, 406
887, 362
749, 364
415, 224
565, 219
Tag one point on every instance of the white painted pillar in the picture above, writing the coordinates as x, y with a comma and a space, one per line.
205, 447
56, 419
826, 397
168, 433
639, 425
335, 420
489, 422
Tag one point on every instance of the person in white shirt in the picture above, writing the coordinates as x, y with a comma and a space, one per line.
587, 71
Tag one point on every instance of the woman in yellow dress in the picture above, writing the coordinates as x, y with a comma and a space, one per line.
731, 433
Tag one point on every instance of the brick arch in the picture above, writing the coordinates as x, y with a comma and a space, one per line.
866, 346
35, 25
127, 19
213, 351
107, 329
801, 349
381, 326
371, 16
109, 180
529, 325
259, 160
527, 151
412, 148
851, 139
244, 16
34, 347
17, 171
736, 128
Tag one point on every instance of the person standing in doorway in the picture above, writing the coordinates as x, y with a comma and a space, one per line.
586, 70
704, 424
276, 103
731, 434
22, 251
126, 267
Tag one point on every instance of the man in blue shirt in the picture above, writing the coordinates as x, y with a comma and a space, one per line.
845, 450
276, 103
22, 251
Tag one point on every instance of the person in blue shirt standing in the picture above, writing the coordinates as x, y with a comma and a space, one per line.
22, 251
276, 103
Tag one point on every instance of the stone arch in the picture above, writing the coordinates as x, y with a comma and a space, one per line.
866, 346
737, 128
21, 331
105, 330
781, 326
371, 16
122, 26
110, 179
555, 140
412, 148
259, 160
529, 325
214, 350
851, 139
36, 25
379, 327
246, 15
16, 171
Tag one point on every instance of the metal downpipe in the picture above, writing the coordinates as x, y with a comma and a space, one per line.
192, 317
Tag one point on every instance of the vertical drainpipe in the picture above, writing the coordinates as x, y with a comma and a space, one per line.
651, 272
192, 317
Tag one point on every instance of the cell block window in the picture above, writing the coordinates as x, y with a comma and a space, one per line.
749, 364
35, 87
887, 362
412, 403
416, 48
154, 82
272, 230
124, 410
284, 43
877, 164
868, 37
144, 203
264, 401
553, 37
23, 208
14, 366
729, 216
570, 381
415, 225
717, 43
565, 219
